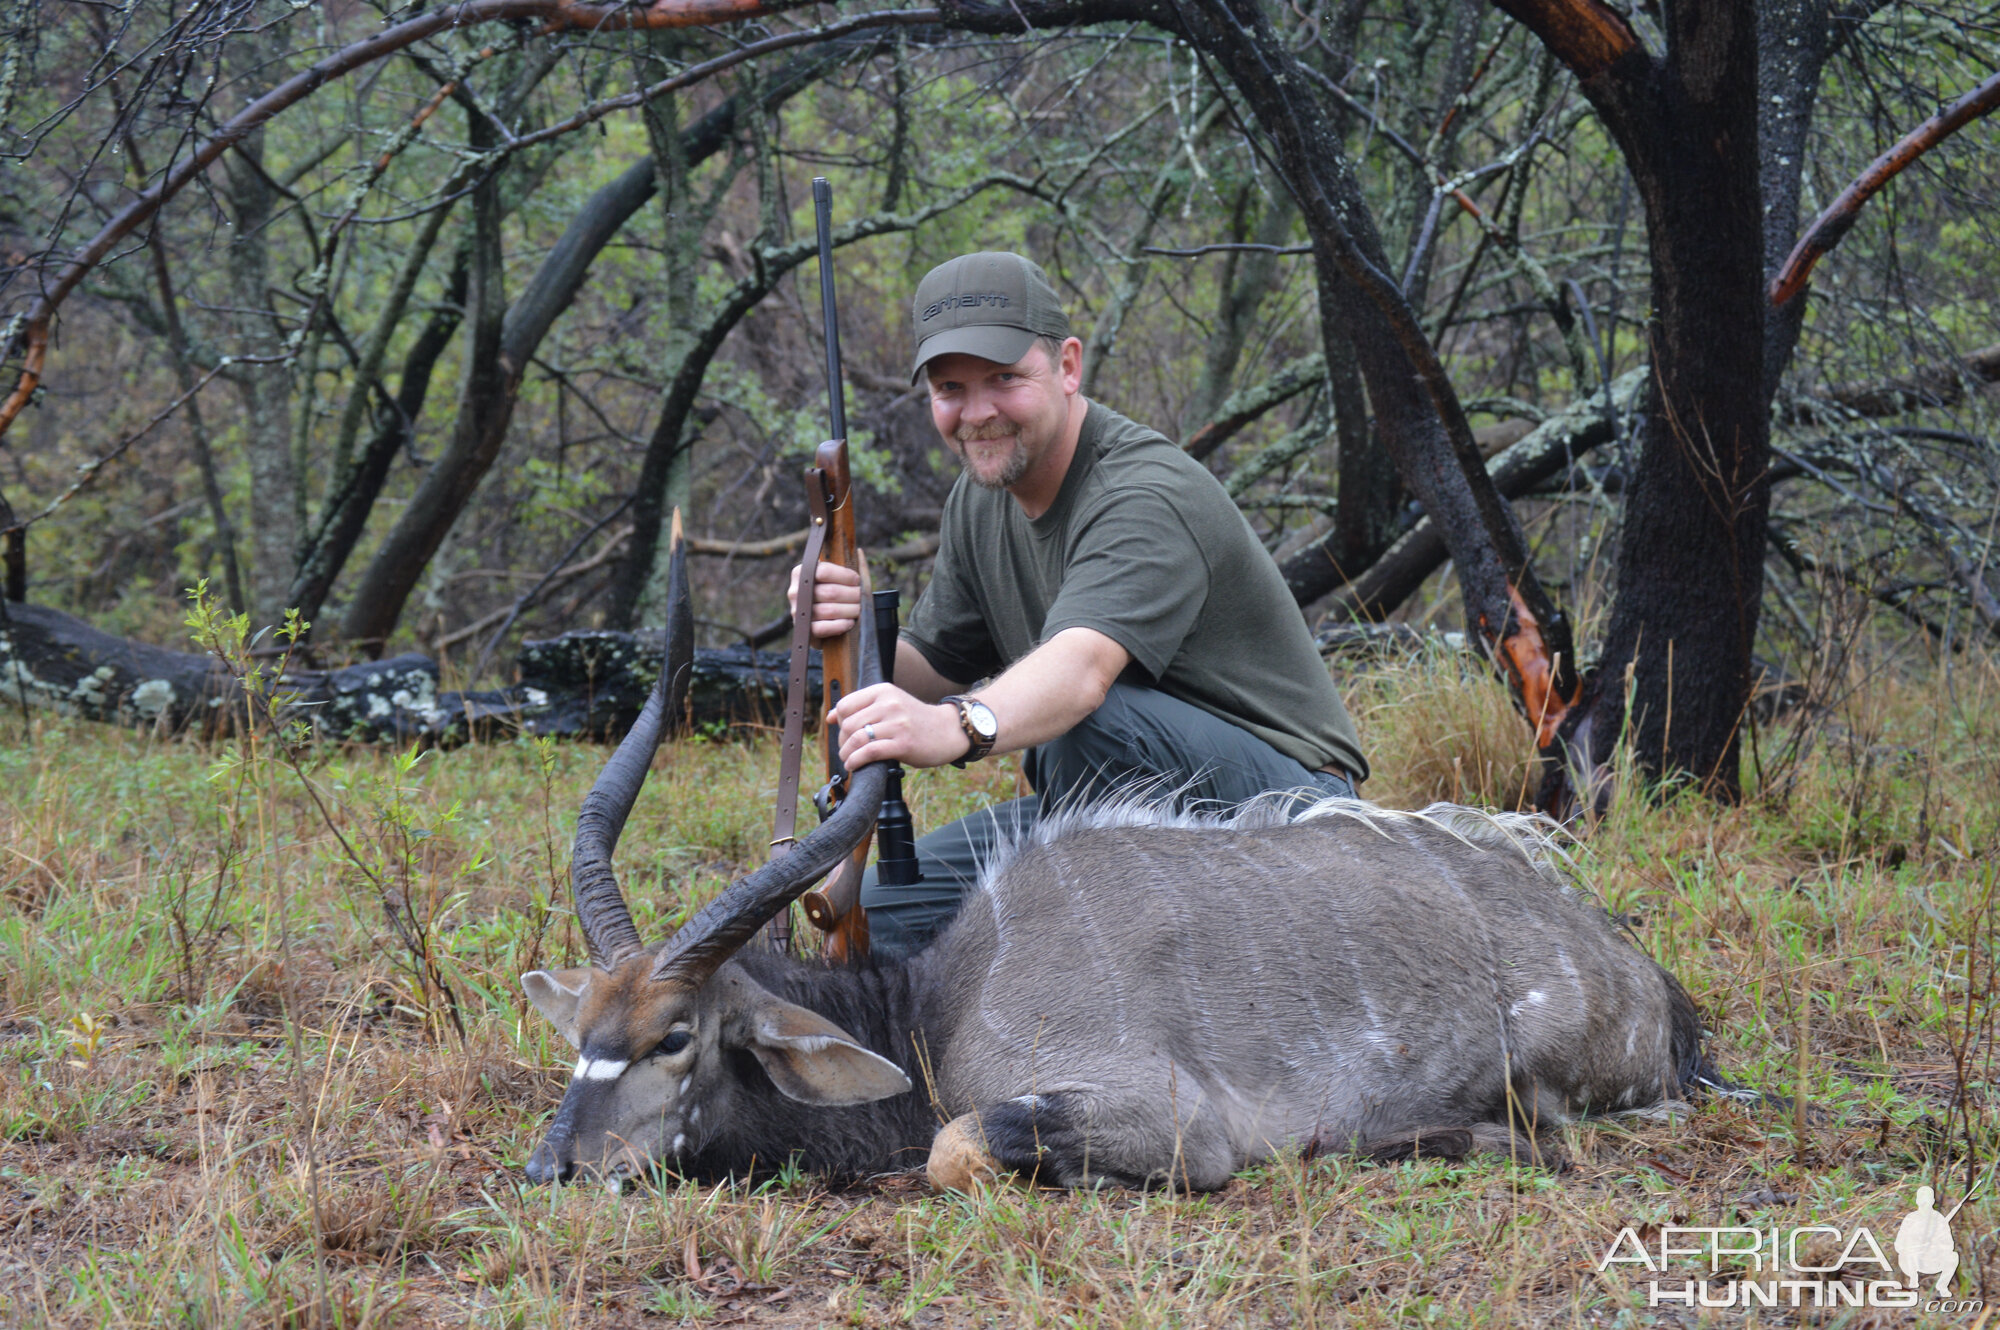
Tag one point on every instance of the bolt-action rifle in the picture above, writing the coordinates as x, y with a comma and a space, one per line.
835, 906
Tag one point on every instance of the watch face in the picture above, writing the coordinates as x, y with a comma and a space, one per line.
982, 719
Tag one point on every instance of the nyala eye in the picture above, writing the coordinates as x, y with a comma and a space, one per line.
675, 1042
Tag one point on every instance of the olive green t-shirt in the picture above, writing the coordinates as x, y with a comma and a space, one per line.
1143, 545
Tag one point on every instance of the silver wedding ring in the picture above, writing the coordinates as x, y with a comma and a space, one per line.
869, 730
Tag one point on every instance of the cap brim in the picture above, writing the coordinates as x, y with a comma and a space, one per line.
1001, 345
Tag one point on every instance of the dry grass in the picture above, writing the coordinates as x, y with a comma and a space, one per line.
1438, 726
229, 1097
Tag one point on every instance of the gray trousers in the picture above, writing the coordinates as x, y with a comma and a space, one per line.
1140, 738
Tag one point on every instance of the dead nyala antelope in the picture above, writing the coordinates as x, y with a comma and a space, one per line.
1131, 996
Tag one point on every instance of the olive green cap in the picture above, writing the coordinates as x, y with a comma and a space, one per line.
991, 305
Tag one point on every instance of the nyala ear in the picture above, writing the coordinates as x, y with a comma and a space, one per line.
555, 994
814, 1061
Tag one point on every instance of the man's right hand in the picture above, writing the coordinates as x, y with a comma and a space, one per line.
836, 599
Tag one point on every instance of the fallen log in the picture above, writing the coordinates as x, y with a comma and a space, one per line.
585, 685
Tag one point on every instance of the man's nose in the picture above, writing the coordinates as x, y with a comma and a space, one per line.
976, 407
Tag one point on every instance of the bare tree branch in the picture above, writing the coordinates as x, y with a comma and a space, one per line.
1586, 35
1840, 215
1246, 247
1250, 404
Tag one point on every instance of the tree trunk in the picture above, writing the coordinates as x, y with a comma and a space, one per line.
1793, 44
485, 404
211, 482
1417, 550
345, 514
1369, 497
1417, 412
1691, 548
265, 390
667, 448
1246, 279
666, 483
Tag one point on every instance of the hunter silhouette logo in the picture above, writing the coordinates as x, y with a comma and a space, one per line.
1923, 1242
1810, 1265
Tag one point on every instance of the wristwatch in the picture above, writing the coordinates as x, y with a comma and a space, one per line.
980, 725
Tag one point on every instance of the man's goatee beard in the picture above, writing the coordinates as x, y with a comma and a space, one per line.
1017, 462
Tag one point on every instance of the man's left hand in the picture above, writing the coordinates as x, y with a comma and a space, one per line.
886, 724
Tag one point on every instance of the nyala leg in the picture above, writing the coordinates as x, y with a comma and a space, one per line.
1447, 1143
1038, 1137
1065, 1140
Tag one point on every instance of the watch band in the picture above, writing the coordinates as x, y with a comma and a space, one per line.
981, 744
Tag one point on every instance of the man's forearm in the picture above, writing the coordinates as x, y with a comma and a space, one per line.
1053, 688
915, 675
1047, 692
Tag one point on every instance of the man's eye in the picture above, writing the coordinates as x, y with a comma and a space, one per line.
675, 1042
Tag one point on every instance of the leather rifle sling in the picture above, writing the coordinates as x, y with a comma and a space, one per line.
778, 933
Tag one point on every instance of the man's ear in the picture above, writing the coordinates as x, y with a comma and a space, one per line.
813, 1060
555, 995
1069, 366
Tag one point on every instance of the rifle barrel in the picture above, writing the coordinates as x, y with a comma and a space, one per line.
836, 392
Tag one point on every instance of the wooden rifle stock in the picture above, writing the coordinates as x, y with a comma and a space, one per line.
834, 906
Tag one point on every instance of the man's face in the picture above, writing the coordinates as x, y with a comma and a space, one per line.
1000, 420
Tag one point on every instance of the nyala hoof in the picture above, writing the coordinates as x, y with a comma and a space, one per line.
959, 1159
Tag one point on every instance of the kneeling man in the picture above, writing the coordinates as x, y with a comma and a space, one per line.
1130, 628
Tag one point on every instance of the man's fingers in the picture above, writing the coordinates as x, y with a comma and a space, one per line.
857, 740
856, 701
837, 574
834, 585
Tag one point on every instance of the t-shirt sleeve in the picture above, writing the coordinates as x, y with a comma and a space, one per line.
1137, 575
946, 624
